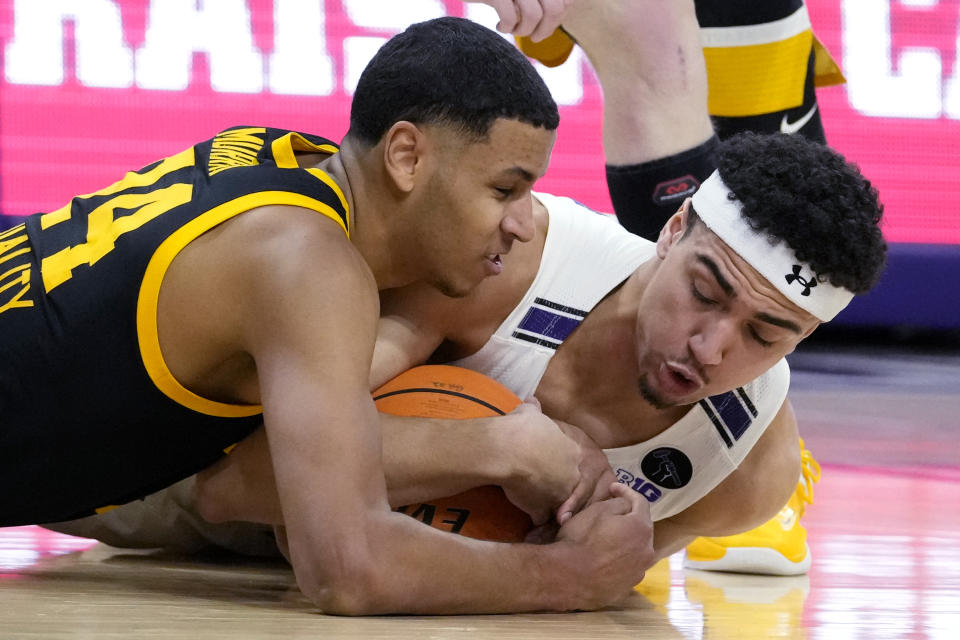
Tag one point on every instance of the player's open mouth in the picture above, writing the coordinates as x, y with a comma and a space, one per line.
678, 379
494, 263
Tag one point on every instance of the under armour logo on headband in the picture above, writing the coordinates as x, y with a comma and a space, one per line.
768, 255
796, 277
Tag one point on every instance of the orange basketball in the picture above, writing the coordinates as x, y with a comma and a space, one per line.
440, 391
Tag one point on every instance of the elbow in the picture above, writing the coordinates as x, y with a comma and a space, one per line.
342, 600
354, 589
356, 593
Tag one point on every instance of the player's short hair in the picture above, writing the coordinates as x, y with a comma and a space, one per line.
807, 195
448, 71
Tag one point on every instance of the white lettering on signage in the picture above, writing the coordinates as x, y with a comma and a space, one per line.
176, 29
912, 86
390, 17
300, 63
35, 55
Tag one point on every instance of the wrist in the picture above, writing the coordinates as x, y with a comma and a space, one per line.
559, 573
503, 449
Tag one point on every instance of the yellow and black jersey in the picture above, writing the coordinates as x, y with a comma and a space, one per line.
763, 64
91, 416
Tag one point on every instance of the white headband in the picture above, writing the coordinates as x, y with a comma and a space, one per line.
775, 262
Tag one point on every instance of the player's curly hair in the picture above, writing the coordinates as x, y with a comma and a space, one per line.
448, 71
807, 195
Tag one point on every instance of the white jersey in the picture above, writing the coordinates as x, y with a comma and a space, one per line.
682, 464
585, 256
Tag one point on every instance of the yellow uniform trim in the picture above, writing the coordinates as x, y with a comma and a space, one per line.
149, 295
755, 79
285, 147
47, 220
284, 151
740, 61
762, 68
826, 71
327, 180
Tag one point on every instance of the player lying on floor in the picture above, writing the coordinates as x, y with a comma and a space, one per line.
663, 317
763, 65
669, 356
238, 281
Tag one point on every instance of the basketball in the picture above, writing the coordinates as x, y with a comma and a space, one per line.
441, 391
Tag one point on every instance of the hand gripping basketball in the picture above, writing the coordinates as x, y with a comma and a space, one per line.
440, 391
619, 531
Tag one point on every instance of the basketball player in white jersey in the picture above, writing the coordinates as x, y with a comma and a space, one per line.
667, 355
763, 64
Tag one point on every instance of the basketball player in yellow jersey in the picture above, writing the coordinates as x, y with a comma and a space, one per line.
217, 305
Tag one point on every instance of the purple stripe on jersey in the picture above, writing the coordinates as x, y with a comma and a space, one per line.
549, 324
708, 409
559, 307
535, 340
734, 415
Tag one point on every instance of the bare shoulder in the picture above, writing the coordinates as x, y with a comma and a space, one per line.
267, 268
280, 271
282, 237
273, 251
757, 490
303, 263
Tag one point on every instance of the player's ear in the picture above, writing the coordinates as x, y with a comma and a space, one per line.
673, 230
403, 148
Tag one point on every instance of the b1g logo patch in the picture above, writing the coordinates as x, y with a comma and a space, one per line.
639, 484
667, 467
676, 189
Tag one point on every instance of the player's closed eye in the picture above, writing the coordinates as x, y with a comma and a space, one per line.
700, 297
758, 339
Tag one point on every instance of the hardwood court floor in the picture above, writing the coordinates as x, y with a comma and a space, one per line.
884, 532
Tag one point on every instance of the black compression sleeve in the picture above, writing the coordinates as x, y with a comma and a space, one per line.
645, 195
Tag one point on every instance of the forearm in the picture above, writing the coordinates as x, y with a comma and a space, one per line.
425, 459
431, 572
649, 60
599, 555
